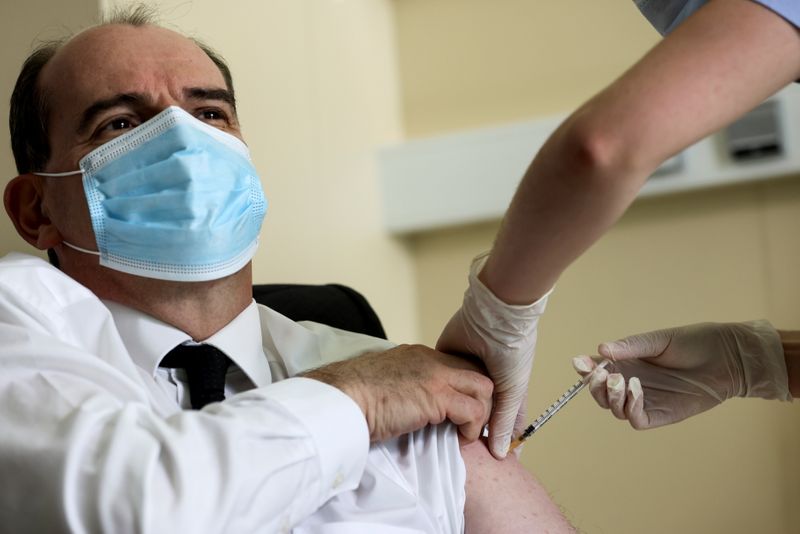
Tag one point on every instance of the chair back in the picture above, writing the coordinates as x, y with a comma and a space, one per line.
331, 304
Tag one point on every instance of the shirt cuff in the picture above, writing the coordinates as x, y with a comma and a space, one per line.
336, 426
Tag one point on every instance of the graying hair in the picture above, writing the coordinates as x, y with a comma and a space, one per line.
135, 15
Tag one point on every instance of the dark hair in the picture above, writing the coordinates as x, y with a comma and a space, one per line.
29, 111
27, 120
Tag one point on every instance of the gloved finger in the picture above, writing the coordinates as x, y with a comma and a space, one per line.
501, 424
634, 405
615, 387
644, 345
521, 421
597, 386
583, 365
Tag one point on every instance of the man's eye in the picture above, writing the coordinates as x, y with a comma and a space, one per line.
120, 124
117, 125
212, 115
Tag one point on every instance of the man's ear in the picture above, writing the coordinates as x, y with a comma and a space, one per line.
23, 200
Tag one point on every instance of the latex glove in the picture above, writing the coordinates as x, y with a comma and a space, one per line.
504, 337
676, 373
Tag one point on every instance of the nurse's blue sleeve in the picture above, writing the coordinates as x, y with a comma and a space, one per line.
788, 9
666, 15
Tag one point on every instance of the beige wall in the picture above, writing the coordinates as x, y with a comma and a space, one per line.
468, 63
725, 254
22, 23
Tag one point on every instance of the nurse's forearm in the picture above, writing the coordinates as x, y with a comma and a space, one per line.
567, 199
720, 63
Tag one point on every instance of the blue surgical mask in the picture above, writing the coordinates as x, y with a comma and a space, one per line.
666, 15
173, 199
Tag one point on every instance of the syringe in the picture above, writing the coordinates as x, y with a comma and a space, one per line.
556, 406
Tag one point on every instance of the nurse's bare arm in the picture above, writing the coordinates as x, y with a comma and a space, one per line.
721, 62
503, 497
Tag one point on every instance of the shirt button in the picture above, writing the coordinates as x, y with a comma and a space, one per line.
338, 480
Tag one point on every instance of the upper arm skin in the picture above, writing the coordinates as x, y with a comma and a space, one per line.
718, 64
503, 497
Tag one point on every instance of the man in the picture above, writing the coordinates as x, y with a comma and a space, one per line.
96, 432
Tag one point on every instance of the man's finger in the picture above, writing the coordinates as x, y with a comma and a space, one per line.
473, 384
468, 413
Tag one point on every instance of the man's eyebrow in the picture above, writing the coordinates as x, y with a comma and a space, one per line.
210, 93
98, 107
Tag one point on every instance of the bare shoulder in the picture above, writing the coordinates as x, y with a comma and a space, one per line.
502, 496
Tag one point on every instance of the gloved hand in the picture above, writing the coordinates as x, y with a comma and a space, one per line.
676, 373
504, 337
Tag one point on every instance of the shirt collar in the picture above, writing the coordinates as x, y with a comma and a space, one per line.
148, 340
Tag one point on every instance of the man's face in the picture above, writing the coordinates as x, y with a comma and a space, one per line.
108, 80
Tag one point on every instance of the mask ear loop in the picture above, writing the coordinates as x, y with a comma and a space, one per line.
79, 249
57, 174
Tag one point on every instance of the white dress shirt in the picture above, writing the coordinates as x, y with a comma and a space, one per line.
96, 437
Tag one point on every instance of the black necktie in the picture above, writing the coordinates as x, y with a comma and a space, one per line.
205, 367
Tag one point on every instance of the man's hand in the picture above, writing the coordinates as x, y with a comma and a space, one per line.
676, 373
411, 386
503, 336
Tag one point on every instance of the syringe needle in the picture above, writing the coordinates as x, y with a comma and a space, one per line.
554, 408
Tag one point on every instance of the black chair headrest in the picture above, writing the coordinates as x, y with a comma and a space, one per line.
331, 304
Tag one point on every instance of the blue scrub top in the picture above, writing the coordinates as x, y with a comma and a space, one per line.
788, 9
666, 15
